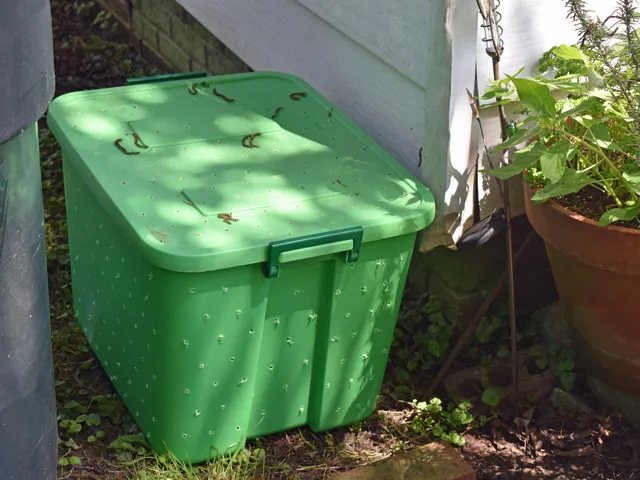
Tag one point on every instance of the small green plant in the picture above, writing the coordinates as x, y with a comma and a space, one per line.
561, 357
432, 420
491, 397
584, 147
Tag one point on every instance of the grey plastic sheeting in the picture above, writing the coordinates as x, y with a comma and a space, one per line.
26, 64
28, 430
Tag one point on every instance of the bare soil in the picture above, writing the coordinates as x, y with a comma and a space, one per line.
592, 203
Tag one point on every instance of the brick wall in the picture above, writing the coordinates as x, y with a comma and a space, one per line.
162, 28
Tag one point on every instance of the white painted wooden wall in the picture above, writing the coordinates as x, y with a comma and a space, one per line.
390, 66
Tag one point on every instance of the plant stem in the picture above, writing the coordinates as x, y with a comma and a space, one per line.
600, 153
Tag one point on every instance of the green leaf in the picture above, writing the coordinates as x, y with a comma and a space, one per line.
619, 214
571, 182
75, 460
535, 96
402, 376
93, 420
569, 52
63, 462
107, 404
412, 365
584, 106
71, 443
456, 439
91, 438
127, 442
542, 363
521, 136
99, 434
567, 379
75, 427
599, 133
633, 179
522, 159
554, 159
502, 352
73, 405
491, 397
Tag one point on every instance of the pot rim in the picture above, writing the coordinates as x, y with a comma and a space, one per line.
611, 248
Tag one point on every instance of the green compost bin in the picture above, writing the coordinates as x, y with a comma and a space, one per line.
233, 284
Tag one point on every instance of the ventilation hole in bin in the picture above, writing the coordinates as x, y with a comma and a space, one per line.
238, 429
232, 359
271, 367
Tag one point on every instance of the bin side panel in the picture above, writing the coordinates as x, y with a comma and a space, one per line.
181, 349
286, 358
353, 341
211, 338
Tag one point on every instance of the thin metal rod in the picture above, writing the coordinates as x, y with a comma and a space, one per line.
506, 200
473, 323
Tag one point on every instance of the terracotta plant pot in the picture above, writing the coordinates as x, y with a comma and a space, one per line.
597, 272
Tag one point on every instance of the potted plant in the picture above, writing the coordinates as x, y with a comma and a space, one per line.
581, 169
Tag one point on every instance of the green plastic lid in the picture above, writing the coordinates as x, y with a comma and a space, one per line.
206, 173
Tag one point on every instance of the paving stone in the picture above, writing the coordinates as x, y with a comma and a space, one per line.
435, 461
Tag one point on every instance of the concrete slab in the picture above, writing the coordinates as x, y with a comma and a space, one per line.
435, 461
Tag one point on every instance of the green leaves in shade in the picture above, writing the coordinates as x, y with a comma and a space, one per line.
571, 181
491, 397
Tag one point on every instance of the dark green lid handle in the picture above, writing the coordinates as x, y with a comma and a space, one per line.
271, 267
167, 77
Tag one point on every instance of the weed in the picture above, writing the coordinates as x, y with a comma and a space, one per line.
561, 358
244, 465
432, 420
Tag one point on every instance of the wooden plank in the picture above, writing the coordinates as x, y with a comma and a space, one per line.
449, 135
394, 31
283, 35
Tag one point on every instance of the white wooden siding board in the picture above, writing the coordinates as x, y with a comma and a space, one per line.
394, 31
282, 35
